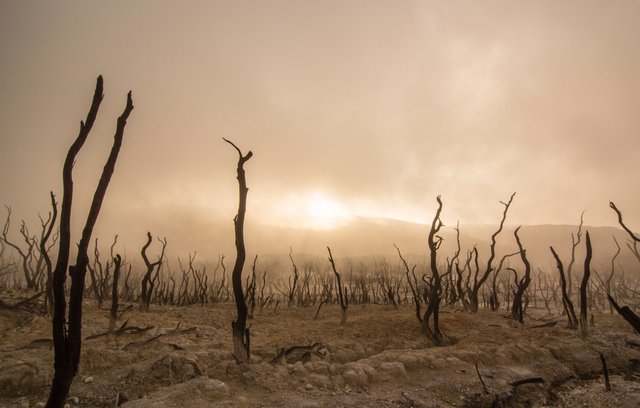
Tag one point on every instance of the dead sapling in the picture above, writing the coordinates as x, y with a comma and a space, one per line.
292, 282
477, 283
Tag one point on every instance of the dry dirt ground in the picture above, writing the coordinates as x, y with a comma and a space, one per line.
377, 359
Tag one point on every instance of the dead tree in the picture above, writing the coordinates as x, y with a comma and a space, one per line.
44, 250
292, 286
477, 284
566, 300
27, 254
241, 336
521, 285
575, 241
148, 282
584, 323
607, 282
67, 336
117, 262
494, 302
453, 292
625, 311
433, 291
343, 298
413, 284
628, 314
96, 274
633, 245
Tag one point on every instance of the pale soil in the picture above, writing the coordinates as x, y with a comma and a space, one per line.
377, 359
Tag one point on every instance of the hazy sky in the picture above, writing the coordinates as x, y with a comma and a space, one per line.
350, 107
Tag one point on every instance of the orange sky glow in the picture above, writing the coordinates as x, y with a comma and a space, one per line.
351, 108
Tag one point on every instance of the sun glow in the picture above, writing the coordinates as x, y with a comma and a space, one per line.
313, 210
323, 212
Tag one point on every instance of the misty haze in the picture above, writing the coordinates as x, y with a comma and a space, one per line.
319, 204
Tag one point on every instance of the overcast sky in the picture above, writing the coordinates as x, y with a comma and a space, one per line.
350, 107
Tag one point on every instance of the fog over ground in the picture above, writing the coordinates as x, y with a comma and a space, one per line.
352, 108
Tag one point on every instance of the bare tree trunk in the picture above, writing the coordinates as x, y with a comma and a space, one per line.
117, 261
67, 341
516, 308
342, 295
47, 259
584, 323
566, 300
147, 281
575, 241
241, 336
433, 292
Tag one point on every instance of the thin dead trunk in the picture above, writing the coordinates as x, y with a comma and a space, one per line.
241, 335
584, 323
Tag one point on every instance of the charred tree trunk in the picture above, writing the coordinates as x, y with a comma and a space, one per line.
292, 286
633, 245
566, 300
47, 259
494, 301
433, 291
67, 338
584, 322
575, 241
241, 336
117, 262
148, 281
522, 285
628, 314
341, 291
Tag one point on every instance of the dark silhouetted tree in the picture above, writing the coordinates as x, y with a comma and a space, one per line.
584, 323
566, 300
67, 336
241, 335
148, 282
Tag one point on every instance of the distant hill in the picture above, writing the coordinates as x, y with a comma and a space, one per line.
187, 232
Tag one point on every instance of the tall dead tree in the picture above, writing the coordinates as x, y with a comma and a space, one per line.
477, 283
584, 322
67, 336
566, 300
521, 285
433, 290
241, 336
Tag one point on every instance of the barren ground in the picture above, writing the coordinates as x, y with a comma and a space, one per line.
377, 359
